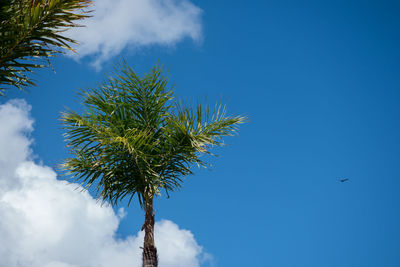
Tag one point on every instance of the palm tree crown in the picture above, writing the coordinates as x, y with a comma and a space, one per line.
135, 138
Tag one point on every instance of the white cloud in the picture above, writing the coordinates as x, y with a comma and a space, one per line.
46, 222
15, 122
118, 24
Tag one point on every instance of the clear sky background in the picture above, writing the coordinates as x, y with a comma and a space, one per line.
320, 83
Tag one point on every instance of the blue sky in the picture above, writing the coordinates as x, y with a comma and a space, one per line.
319, 81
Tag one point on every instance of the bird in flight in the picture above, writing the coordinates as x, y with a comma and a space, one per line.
343, 180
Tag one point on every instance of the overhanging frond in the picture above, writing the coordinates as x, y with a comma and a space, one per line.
31, 32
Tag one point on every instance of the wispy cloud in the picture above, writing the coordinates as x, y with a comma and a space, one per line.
46, 222
119, 24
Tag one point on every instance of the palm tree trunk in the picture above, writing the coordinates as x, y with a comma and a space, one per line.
149, 256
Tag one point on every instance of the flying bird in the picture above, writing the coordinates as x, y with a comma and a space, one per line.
343, 180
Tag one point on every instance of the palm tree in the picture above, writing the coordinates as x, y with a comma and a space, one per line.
31, 31
134, 139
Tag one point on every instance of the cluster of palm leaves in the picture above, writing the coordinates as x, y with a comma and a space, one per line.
134, 138
31, 31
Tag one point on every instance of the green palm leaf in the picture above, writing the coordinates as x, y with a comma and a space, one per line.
31, 31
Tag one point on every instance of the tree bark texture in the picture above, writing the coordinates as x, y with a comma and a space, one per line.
149, 256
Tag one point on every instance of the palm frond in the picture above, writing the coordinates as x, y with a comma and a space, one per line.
31, 32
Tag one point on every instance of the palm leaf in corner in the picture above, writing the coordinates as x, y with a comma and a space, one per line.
31, 31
